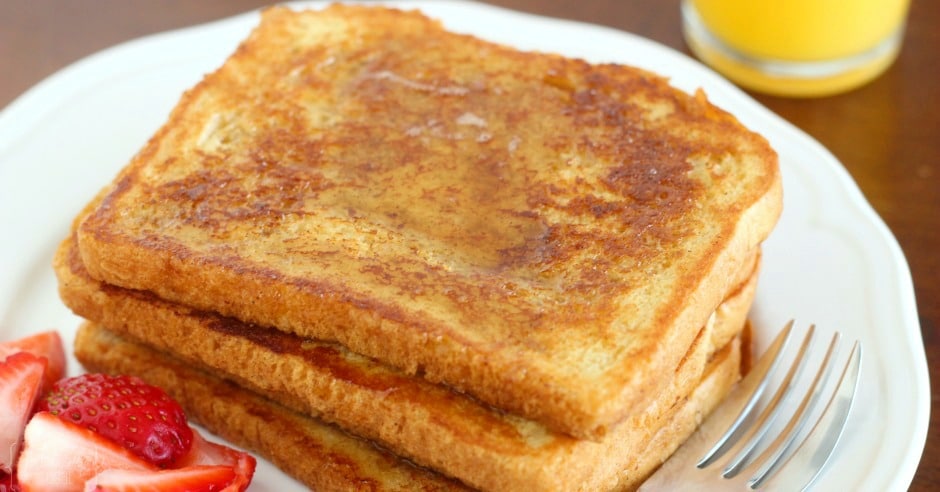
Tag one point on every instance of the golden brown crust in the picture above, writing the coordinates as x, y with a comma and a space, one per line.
731, 313
542, 233
425, 422
721, 375
325, 458
321, 456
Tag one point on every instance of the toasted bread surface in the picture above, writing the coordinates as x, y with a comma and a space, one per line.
321, 456
720, 376
542, 233
428, 423
325, 458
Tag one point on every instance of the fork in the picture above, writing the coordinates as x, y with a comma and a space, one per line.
749, 426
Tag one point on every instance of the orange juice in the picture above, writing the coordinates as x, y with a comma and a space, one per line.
796, 47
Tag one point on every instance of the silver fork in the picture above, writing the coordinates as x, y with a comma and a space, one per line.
766, 450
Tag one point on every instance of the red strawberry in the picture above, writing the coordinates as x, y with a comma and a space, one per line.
126, 410
206, 452
47, 344
59, 456
20, 384
189, 479
8, 483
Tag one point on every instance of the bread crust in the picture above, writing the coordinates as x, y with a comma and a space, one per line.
326, 458
556, 260
322, 456
425, 422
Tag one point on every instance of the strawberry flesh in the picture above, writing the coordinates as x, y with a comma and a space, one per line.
206, 452
47, 344
126, 410
8, 483
59, 456
21, 379
189, 479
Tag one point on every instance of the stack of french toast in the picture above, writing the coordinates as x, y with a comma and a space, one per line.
387, 256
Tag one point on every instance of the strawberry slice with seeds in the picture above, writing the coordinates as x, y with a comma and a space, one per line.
205, 452
189, 479
21, 379
59, 456
47, 344
126, 410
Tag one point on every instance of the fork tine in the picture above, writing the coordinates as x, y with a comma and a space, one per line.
777, 452
772, 409
720, 426
742, 401
796, 456
805, 464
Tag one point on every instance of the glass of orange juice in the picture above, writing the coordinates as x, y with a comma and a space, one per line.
799, 48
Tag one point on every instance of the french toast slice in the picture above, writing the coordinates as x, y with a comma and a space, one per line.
542, 233
424, 422
321, 456
325, 458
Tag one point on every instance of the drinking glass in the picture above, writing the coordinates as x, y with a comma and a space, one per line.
798, 48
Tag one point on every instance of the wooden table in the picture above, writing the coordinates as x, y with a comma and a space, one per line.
887, 134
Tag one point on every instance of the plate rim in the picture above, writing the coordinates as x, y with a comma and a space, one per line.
22, 110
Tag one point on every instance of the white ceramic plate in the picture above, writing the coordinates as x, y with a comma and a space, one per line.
830, 261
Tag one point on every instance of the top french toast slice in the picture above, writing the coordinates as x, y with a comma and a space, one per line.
545, 234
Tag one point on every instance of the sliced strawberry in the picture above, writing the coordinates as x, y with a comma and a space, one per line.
206, 452
189, 479
21, 376
126, 410
8, 483
60, 456
47, 344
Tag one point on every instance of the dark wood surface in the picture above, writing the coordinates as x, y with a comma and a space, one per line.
887, 133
